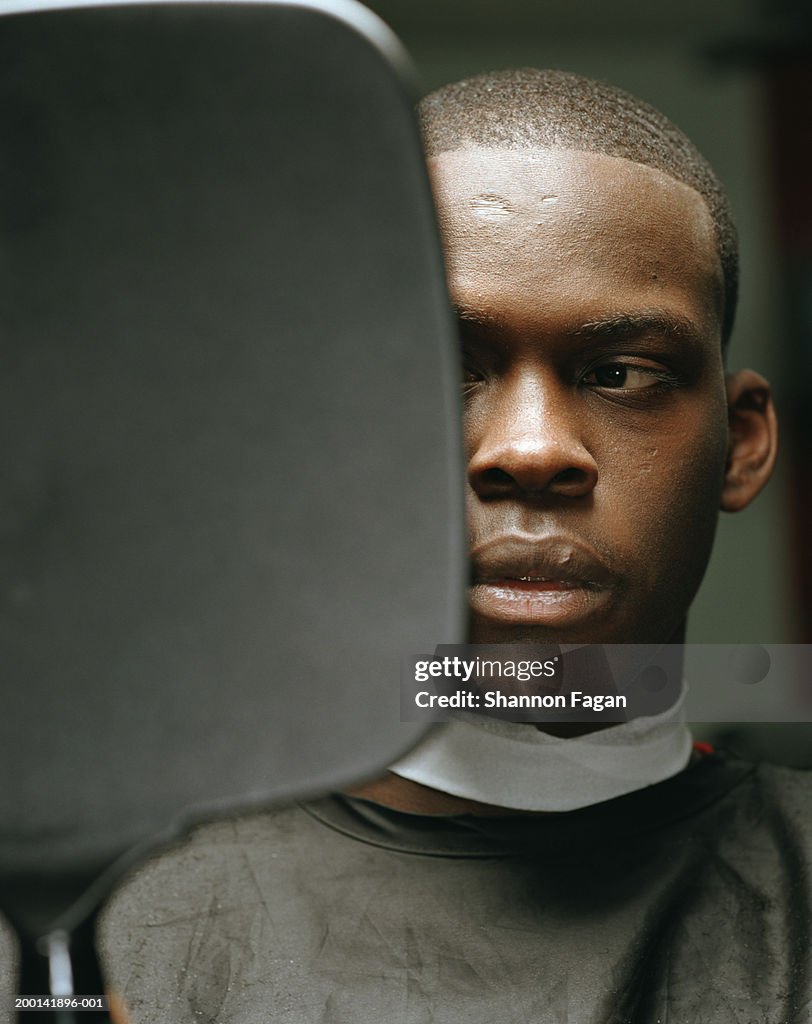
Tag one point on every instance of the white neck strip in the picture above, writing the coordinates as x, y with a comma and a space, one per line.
514, 765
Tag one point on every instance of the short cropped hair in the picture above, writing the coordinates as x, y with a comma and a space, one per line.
527, 107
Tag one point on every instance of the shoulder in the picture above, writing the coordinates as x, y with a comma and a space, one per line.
786, 795
789, 783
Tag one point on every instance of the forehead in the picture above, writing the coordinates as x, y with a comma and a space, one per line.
535, 229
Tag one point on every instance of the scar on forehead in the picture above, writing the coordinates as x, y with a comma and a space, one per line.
488, 204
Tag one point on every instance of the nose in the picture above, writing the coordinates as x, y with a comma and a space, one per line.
525, 440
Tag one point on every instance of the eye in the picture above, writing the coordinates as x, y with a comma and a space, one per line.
473, 372
626, 376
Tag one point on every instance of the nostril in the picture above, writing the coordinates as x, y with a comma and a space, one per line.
496, 478
524, 473
568, 476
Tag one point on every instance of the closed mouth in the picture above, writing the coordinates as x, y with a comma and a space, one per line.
535, 580
527, 558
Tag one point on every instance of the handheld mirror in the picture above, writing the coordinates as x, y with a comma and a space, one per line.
229, 465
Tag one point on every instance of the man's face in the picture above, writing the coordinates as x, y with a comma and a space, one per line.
589, 292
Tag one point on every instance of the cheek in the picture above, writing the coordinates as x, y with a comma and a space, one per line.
672, 494
474, 422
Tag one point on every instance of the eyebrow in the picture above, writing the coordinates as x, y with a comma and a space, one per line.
478, 317
648, 321
620, 326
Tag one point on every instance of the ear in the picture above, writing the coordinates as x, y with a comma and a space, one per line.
753, 443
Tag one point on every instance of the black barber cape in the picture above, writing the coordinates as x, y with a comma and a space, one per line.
684, 902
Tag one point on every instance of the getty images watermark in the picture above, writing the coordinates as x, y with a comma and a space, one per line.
607, 683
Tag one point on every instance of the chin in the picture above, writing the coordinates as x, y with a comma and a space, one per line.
485, 631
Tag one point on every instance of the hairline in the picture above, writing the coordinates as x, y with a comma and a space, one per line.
671, 152
471, 145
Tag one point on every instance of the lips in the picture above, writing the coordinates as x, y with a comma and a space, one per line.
538, 580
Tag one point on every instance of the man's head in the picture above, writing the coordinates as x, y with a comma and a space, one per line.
592, 259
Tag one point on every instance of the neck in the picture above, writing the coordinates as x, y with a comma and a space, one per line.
644, 751
413, 797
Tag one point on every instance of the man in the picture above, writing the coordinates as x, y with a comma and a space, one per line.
592, 261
